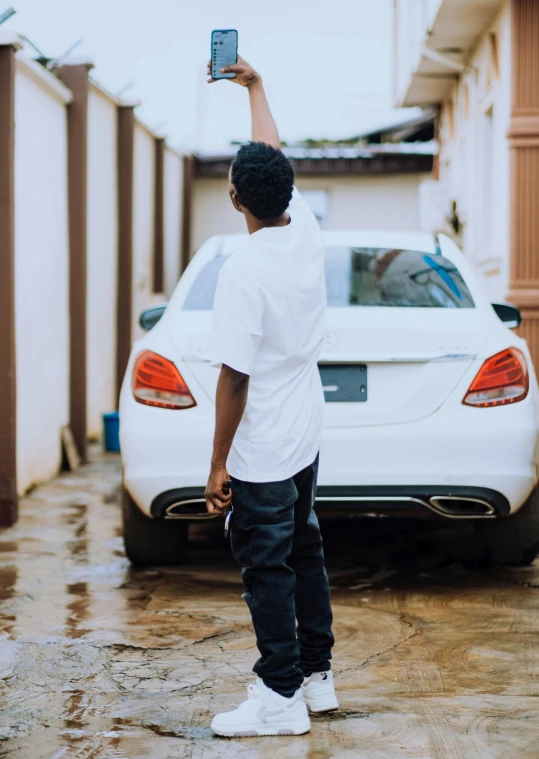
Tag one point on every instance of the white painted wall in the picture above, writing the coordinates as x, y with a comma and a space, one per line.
42, 259
102, 258
474, 160
374, 202
143, 213
355, 202
172, 221
41, 273
212, 212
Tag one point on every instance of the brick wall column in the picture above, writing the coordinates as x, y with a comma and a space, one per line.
159, 217
124, 316
524, 169
187, 210
76, 79
8, 398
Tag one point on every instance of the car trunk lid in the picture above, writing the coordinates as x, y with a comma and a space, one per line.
413, 359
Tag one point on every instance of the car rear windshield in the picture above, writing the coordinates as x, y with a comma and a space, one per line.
393, 277
367, 277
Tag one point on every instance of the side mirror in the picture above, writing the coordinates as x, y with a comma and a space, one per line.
149, 318
508, 314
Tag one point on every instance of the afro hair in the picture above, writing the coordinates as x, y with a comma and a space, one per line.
263, 178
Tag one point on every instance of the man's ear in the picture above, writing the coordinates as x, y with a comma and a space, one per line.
235, 202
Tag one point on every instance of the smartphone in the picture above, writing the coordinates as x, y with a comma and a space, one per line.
224, 52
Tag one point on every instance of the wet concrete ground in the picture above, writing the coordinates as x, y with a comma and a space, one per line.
100, 661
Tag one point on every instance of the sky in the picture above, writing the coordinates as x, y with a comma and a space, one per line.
326, 64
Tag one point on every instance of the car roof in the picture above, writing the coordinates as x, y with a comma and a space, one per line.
424, 242
421, 241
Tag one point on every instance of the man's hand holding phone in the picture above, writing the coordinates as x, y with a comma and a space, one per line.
245, 75
218, 495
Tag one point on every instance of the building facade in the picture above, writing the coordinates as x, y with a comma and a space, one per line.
477, 62
367, 187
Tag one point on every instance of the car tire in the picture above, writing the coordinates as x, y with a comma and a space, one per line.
513, 540
151, 541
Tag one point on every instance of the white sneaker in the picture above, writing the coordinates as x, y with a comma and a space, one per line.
264, 713
318, 692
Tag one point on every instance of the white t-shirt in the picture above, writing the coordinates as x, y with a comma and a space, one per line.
269, 321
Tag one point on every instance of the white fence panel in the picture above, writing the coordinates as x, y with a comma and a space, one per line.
102, 257
143, 223
41, 272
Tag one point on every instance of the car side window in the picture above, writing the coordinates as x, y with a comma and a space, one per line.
200, 296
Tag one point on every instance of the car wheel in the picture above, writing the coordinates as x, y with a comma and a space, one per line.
514, 539
151, 541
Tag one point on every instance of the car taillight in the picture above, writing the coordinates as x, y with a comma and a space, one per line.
502, 379
157, 382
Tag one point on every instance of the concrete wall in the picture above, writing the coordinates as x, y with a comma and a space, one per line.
42, 262
377, 202
143, 223
102, 257
355, 202
172, 222
41, 272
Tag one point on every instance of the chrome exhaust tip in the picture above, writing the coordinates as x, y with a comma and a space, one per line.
461, 507
192, 509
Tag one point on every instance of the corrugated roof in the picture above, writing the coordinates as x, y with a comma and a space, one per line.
336, 153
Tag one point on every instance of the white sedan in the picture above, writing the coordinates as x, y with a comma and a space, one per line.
432, 404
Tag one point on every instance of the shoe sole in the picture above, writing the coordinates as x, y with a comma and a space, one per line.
258, 730
317, 706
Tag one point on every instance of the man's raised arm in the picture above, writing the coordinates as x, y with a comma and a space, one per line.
264, 128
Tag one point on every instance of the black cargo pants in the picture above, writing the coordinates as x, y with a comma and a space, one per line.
275, 537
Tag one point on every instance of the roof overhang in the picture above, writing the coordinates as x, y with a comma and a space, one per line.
454, 32
11, 39
322, 164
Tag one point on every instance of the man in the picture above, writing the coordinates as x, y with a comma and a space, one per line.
269, 326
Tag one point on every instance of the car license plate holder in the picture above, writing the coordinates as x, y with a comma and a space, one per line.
344, 383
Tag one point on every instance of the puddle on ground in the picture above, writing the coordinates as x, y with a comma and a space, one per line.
8, 546
99, 659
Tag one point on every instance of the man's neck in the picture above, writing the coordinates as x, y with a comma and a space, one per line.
255, 225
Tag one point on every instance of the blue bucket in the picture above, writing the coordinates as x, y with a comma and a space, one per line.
111, 426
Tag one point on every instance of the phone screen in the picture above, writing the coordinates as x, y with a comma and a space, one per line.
224, 51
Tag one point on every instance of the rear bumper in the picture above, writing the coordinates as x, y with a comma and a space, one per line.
418, 500
163, 451
399, 501
467, 448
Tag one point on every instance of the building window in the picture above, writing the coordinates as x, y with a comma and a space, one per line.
449, 119
493, 59
488, 180
465, 101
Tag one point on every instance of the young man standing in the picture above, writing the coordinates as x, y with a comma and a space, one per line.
269, 325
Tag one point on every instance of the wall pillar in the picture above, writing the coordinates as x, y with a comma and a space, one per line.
8, 398
76, 79
124, 316
159, 217
187, 210
524, 170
